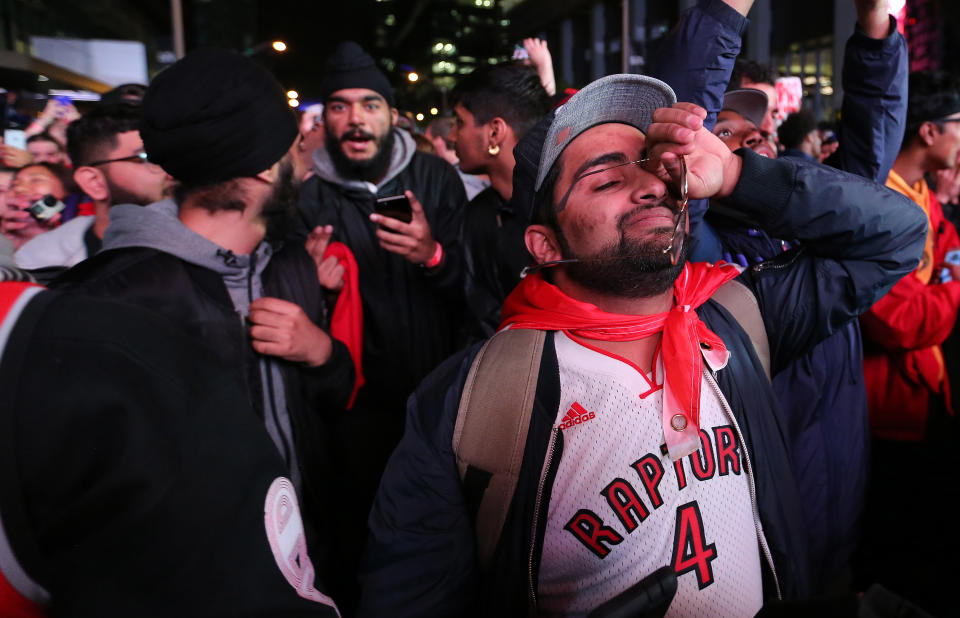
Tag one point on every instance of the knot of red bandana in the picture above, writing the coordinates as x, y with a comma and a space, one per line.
540, 305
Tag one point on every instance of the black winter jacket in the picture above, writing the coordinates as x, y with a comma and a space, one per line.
197, 299
495, 255
134, 479
860, 238
411, 315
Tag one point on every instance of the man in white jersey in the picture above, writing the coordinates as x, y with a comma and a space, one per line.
654, 443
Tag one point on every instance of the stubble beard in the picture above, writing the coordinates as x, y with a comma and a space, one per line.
629, 268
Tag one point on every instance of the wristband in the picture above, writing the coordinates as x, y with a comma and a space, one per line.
436, 258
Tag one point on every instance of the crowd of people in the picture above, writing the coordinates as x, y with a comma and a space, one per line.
629, 350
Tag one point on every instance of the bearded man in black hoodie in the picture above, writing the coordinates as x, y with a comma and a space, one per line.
410, 273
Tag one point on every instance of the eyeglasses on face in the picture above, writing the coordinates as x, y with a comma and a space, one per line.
140, 157
675, 248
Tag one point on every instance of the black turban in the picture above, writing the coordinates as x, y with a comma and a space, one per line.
213, 116
351, 67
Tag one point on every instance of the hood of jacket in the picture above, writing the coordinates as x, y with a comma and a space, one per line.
403, 149
157, 226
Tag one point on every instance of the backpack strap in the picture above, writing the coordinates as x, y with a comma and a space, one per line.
490, 434
742, 305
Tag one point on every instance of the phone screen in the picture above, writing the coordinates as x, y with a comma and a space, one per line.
16, 138
395, 207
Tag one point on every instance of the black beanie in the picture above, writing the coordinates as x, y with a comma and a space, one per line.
351, 67
213, 116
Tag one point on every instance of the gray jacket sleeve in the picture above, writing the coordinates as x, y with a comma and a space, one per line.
858, 237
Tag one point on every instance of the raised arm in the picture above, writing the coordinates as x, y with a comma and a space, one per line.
875, 73
859, 238
696, 57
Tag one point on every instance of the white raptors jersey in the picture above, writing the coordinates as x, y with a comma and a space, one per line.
621, 509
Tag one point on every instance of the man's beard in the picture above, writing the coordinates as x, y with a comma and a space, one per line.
369, 170
629, 268
280, 207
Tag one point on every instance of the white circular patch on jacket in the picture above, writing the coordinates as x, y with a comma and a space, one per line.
284, 525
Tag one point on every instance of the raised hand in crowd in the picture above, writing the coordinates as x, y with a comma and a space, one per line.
411, 240
54, 119
873, 17
541, 59
280, 328
19, 226
14, 157
329, 269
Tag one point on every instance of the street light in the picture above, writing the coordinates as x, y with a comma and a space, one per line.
420, 117
276, 46
293, 94
434, 111
412, 76
293, 103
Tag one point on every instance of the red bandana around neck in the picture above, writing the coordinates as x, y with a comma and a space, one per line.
537, 304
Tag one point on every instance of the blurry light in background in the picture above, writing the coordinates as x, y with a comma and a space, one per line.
412, 76
420, 117
279, 46
293, 102
434, 111
293, 94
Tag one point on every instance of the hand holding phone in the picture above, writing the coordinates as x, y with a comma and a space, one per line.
395, 207
411, 239
16, 138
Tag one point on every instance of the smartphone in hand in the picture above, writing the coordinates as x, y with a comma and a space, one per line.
15, 138
395, 207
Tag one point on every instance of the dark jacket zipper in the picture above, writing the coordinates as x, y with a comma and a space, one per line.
268, 378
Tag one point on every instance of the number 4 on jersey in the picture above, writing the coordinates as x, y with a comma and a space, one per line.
691, 552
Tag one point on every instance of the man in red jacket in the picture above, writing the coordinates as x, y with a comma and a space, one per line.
911, 416
905, 372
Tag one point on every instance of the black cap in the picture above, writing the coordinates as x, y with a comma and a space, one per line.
215, 115
351, 67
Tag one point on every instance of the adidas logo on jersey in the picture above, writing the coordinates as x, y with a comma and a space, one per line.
576, 415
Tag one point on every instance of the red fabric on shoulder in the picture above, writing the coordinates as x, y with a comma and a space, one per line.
12, 603
9, 293
15, 605
346, 324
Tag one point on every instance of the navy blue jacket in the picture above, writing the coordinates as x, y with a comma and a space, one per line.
859, 239
822, 394
696, 59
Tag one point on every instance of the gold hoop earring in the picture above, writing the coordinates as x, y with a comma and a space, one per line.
493, 149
